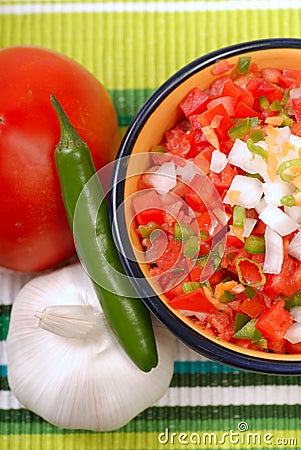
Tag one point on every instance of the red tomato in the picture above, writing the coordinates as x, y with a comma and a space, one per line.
274, 322
34, 232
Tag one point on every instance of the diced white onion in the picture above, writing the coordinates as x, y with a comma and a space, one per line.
261, 205
294, 212
273, 192
241, 156
186, 172
295, 311
218, 161
293, 334
273, 251
295, 93
294, 248
278, 220
250, 191
165, 178
249, 225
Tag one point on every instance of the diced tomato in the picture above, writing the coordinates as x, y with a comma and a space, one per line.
195, 102
221, 67
253, 307
243, 111
177, 142
205, 222
271, 75
195, 300
296, 105
233, 241
223, 180
290, 78
274, 322
296, 128
170, 256
216, 278
224, 124
293, 348
237, 93
227, 101
197, 140
259, 87
151, 215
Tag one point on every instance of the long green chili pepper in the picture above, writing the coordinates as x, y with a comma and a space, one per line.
127, 316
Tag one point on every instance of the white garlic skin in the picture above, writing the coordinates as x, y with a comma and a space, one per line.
78, 383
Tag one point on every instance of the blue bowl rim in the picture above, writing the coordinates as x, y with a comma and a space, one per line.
179, 328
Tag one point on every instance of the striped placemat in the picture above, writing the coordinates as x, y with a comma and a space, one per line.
132, 47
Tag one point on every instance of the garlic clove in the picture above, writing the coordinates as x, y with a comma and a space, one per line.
71, 381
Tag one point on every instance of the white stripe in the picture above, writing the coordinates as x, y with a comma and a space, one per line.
164, 7
3, 353
207, 396
10, 284
9, 401
242, 395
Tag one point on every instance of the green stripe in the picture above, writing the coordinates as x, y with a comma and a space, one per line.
210, 379
141, 50
158, 418
127, 103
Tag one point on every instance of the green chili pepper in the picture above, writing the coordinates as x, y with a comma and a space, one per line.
254, 244
287, 121
239, 216
258, 267
288, 200
243, 65
257, 149
128, 317
287, 165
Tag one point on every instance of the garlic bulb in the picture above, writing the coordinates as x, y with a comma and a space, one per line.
65, 364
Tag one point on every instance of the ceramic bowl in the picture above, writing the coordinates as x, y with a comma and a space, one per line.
159, 114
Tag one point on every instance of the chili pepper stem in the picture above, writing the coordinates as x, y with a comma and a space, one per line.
69, 136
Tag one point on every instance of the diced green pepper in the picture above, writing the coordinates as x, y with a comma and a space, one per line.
240, 129
183, 231
248, 331
263, 102
191, 286
294, 300
227, 297
255, 244
239, 216
146, 230
256, 134
243, 65
240, 321
275, 106
191, 247
249, 292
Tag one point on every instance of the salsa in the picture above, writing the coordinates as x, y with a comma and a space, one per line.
218, 211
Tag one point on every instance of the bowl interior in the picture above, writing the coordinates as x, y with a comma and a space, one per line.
164, 116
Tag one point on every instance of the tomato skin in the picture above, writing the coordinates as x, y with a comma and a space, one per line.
34, 232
